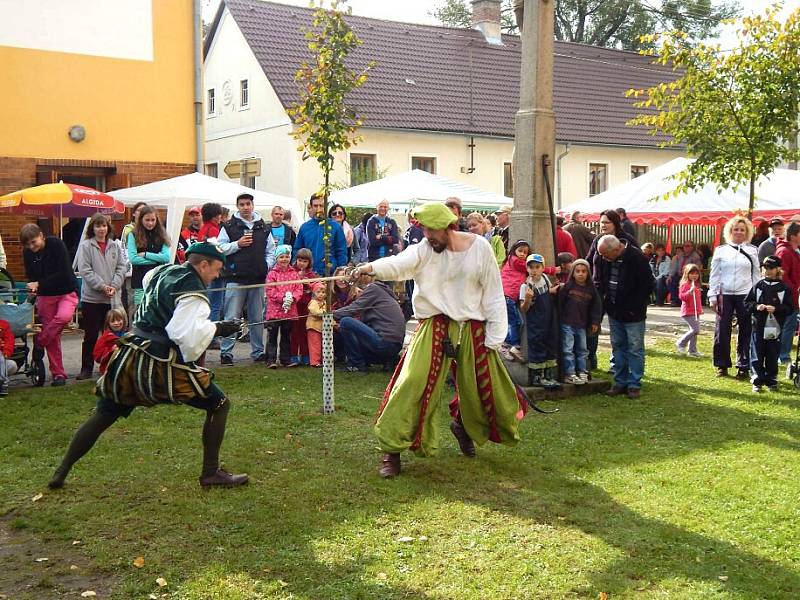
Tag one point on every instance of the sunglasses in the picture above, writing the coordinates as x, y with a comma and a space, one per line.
337, 212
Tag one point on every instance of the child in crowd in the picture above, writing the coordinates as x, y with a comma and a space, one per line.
691, 308
115, 326
512, 275
581, 310
342, 294
769, 302
7, 366
298, 340
281, 307
316, 308
537, 306
561, 271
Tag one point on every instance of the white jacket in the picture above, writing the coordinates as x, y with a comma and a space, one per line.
732, 271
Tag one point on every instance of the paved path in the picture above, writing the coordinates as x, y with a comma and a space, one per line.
661, 321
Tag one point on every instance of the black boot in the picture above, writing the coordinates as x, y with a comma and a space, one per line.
213, 434
535, 377
550, 382
464, 441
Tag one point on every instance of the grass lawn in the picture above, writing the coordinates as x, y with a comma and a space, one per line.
690, 492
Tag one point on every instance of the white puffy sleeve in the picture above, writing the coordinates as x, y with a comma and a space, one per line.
189, 326
401, 266
493, 302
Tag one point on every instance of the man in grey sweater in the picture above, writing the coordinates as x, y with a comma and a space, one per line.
378, 336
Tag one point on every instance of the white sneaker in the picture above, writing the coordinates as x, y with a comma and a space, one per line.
695, 354
680, 349
574, 380
584, 377
516, 353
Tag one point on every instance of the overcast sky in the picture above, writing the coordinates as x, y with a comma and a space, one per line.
416, 11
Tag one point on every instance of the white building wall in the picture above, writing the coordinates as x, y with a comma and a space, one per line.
260, 130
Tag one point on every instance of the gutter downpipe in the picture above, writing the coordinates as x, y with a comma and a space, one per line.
558, 171
197, 17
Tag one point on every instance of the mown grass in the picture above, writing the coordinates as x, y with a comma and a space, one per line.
690, 492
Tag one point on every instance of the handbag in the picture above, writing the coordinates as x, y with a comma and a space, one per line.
772, 330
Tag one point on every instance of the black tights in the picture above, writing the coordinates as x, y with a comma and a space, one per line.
98, 422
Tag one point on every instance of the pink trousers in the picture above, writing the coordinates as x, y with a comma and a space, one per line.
314, 347
54, 314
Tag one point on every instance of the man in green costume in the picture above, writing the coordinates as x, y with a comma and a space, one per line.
155, 363
458, 299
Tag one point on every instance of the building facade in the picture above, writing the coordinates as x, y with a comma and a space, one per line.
440, 99
96, 93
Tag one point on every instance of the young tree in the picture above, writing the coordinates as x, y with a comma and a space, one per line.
324, 122
736, 110
612, 23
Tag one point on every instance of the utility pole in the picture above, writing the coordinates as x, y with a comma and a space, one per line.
535, 129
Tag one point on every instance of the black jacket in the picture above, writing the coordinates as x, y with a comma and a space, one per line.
773, 292
247, 265
633, 289
51, 267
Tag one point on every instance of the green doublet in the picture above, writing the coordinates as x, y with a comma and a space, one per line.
167, 285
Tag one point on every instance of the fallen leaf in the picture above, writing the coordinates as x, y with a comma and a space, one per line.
42, 559
382, 576
37, 497
76, 542
152, 597
282, 583
723, 578
88, 594
161, 582
138, 562
270, 452
288, 436
73, 567
405, 539
602, 596
423, 538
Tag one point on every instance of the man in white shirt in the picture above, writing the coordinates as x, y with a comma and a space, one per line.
458, 299
156, 363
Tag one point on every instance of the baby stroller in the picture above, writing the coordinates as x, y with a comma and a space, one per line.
16, 308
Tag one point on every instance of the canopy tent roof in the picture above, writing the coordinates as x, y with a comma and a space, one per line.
776, 196
405, 190
180, 193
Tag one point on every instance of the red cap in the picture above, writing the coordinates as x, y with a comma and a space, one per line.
194, 209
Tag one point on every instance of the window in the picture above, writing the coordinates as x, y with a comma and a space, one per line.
212, 170
424, 163
362, 168
638, 170
249, 181
244, 94
508, 180
598, 178
211, 103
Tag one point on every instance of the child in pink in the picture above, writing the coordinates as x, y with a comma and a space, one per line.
513, 275
316, 308
298, 339
281, 307
691, 309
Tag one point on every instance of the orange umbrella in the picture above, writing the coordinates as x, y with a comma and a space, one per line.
59, 194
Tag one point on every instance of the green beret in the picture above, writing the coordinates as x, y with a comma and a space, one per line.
434, 215
207, 249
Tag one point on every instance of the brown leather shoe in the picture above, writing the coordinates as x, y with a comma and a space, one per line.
634, 393
464, 441
616, 391
84, 375
223, 479
390, 465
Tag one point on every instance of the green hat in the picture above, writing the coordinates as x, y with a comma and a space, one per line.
434, 215
207, 249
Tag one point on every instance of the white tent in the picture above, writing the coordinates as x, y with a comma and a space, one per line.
179, 193
776, 196
405, 190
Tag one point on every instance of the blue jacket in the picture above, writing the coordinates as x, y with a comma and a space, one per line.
310, 236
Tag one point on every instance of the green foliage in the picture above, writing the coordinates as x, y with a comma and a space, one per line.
324, 122
611, 23
733, 110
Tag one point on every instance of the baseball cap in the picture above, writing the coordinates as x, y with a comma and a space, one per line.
534, 258
771, 261
194, 209
775, 221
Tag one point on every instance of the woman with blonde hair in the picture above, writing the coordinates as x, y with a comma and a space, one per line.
734, 271
479, 225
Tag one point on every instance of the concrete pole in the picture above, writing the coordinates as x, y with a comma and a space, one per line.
535, 129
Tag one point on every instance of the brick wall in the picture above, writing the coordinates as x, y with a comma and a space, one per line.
18, 173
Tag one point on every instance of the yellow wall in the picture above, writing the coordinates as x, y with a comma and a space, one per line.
132, 110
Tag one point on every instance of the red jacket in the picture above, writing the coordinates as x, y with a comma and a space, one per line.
690, 306
6, 338
275, 293
790, 263
208, 230
513, 275
104, 347
565, 243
